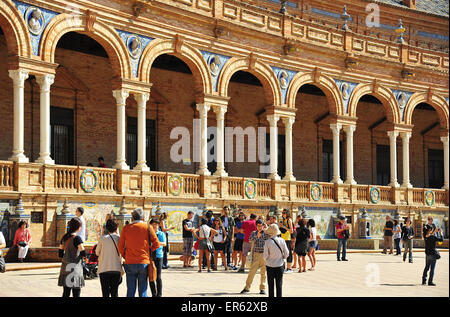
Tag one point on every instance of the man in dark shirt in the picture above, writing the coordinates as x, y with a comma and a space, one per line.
407, 239
188, 238
430, 253
228, 223
388, 233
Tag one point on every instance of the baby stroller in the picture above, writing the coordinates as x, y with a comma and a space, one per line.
90, 266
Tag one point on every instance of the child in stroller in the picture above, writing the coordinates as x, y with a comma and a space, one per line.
90, 266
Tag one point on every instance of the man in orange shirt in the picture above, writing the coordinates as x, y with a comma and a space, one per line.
134, 246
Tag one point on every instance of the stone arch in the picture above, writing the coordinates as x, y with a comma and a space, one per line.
18, 40
437, 102
184, 51
99, 31
261, 70
385, 95
325, 83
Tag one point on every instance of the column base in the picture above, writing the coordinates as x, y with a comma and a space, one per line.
121, 166
141, 167
19, 158
47, 160
445, 186
289, 178
204, 171
221, 173
275, 176
337, 181
394, 184
409, 185
350, 182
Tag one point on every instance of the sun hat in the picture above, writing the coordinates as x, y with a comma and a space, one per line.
273, 230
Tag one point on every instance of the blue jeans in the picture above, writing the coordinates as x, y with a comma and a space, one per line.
136, 273
227, 250
342, 243
430, 264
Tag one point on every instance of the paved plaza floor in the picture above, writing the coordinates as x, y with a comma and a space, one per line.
364, 275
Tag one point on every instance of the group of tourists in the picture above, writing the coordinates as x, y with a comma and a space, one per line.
142, 246
274, 247
271, 246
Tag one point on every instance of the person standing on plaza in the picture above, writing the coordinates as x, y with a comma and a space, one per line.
431, 224
219, 243
109, 260
238, 241
134, 246
431, 254
165, 229
228, 223
188, 238
209, 218
82, 233
388, 233
301, 246
72, 252
341, 227
287, 228
397, 237
22, 240
293, 239
2, 246
248, 227
275, 251
204, 235
258, 238
312, 243
407, 238
158, 255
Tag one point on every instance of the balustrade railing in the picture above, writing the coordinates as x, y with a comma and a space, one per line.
6, 175
67, 179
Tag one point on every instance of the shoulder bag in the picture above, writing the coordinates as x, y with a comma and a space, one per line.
209, 245
151, 265
122, 271
2, 264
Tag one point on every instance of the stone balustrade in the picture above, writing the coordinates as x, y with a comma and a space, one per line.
60, 179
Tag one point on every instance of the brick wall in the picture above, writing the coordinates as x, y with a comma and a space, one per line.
85, 86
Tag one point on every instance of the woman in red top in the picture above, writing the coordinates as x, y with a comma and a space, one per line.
22, 239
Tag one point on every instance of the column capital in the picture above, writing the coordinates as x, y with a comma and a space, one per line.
393, 134
444, 139
219, 110
273, 119
141, 98
335, 127
288, 122
349, 128
18, 76
45, 81
121, 96
405, 135
203, 108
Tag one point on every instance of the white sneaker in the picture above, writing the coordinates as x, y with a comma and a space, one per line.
288, 271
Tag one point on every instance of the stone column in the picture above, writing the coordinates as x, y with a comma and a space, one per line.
220, 118
273, 119
444, 140
393, 149
203, 110
121, 99
141, 99
18, 76
405, 144
349, 129
336, 127
45, 81
288, 122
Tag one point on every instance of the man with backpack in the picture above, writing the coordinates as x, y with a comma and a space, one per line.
342, 231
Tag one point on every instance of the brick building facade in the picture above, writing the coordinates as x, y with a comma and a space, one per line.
76, 81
